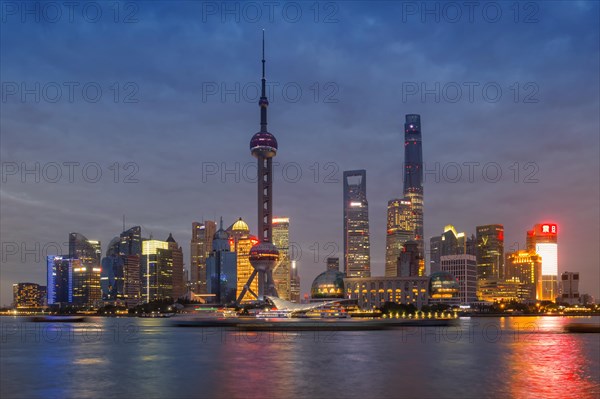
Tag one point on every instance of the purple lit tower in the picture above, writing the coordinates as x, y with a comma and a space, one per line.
264, 256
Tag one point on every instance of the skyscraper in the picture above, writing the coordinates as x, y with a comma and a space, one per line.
263, 146
177, 256
543, 239
413, 173
281, 239
409, 262
449, 243
294, 283
200, 248
400, 229
86, 277
490, 252
157, 270
221, 269
60, 279
357, 247
526, 268
241, 242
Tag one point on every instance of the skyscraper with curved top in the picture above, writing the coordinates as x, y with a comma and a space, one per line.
413, 173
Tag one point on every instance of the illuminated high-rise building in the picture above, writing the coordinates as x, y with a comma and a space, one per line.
241, 242
357, 246
221, 269
177, 276
28, 295
413, 174
156, 270
200, 249
449, 243
400, 229
59, 282
526, 268
281, 239
543, 240
490, 252
86, 276
294, 283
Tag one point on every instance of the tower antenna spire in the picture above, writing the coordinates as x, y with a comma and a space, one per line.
263, 102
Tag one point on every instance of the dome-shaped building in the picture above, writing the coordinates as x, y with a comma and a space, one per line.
443, 288
328, 285
240, 226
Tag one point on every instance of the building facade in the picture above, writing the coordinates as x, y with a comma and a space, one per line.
569, 288
464, 268
400, 229
294, 283
157, 270
29, 295
543, 240
357, 246
240, 242
200, 249
333, 264
59, 279
525, 267
221, 270
373, 292
490, 251
450, 242
281, 239
86, 277
413, 175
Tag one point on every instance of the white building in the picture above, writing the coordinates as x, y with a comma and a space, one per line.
569, 288
375, 291
464, 268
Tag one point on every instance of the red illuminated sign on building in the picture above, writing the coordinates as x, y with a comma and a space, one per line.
549, 229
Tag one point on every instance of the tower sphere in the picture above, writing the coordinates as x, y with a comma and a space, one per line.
263, 144
264, 256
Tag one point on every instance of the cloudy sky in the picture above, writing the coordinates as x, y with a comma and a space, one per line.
146, 110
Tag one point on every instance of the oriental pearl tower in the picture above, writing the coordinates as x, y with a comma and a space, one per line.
264, 256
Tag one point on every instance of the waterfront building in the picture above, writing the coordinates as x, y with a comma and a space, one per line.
221, 270
200, 249
86, 276
59, 279
374, 292
490, 251
240, 242
413, 175
29, 295
357, 247
464, 269
281, 239
176, 254
543, 240
569, 288
526, 267
294, 283
450, 242
157, 270
494, 290
328, 285
410, 263
444, 289
400, 229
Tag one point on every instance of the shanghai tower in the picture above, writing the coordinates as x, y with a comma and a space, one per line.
413, 173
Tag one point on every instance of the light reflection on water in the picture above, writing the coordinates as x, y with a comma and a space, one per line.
524, 357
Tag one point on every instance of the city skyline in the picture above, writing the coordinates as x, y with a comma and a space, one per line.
58, 210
